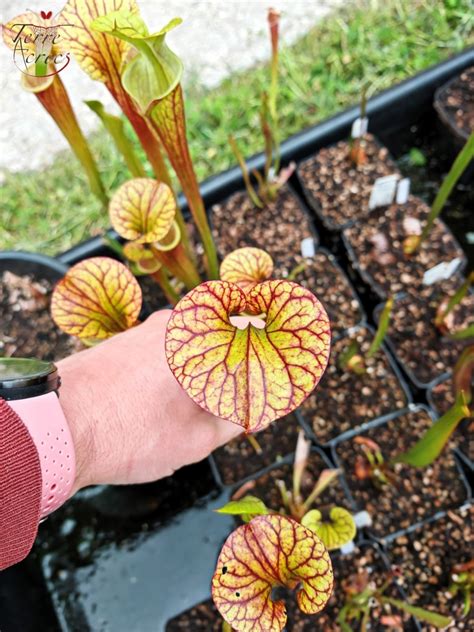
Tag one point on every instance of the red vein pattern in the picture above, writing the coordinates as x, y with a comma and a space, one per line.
267, 552
250, 376
102, 57
142, 210
97, 298
247, 267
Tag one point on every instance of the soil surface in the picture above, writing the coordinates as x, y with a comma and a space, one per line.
328, 282
412, 320
266, 489
426, 558
343, 400
442, 396
27, 329
361, 565
377, 246
338, 190
238, 459
278, 228
417, 493
457, 101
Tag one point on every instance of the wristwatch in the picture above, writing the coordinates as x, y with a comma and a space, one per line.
31, 389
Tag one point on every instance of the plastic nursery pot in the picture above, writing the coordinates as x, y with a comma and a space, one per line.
440, 397
427, 557
279, 227
424, 354
28, 330
344, 400
375, 248
453, 103
152, 564
325, 277
417, 494
367, 557
337, 190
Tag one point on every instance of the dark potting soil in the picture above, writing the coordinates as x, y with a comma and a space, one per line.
265, 487
418, 344
442, 396
278, 228
152, 294
426, 558
457, 102
27, 329
337, 188
238, 459
343, 400
418, 493
364, 564
328, 282
427, 176
377, 247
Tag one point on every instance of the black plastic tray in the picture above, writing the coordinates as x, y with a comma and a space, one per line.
394, 109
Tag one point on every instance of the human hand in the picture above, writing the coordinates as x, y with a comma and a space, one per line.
130, 420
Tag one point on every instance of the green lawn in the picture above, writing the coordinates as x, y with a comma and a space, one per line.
378, 42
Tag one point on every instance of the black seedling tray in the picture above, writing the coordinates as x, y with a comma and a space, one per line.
161, 562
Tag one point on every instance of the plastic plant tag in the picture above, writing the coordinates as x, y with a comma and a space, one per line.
308, 249
362, 519
268, 552
403, 191
246, 267
348, 548
359, 127
383, 191
441, 271
255, 374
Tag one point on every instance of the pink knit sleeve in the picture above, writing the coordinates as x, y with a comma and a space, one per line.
20, 488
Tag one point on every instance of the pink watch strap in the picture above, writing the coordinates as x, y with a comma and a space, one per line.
44, 418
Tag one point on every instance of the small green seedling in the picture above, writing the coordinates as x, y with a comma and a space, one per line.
352, 359
462, 582
443, 318
357, 153
372, 464
273, 178
334, 525
362, 596
465, 156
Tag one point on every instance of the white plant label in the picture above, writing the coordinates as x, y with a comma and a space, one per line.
362, 519
383, 191
359, 127
307, 248
441, 271
348, 548
403, 191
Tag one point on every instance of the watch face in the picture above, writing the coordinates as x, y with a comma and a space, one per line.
26, 377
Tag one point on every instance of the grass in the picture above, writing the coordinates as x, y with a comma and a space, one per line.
378, 43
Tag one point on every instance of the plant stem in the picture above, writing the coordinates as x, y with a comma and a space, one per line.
381, 329
460, 164
177, 262
55, 101
301, 267
454, 300
151, 145
168, 120
254, 443
245, 174
162, 279
115, 127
